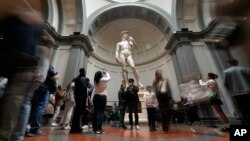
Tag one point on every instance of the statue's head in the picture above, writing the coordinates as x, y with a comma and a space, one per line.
124, 34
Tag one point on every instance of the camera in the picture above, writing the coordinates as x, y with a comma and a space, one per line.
104, 71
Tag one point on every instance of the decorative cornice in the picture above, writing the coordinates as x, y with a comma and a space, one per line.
182, 37
76, 39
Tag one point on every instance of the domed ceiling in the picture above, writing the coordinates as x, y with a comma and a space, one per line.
150, 41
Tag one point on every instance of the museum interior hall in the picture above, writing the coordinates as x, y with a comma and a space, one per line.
124, 70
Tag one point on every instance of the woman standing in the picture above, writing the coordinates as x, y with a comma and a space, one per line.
69, 107
100, 99
59, 97
215, 102
162, 91
151, 104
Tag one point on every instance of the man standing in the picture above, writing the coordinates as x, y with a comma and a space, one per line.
133, 100
122, 105
85, 117
20, 34
237, 81
40, 101
80, 99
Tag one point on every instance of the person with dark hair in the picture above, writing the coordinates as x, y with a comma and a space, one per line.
100, 99
133, 101
122, 105
215, 102
40, 101
237, 81
163, 95
40, 76
80, 95
20, 30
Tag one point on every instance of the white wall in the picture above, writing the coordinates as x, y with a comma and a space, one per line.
93, 5
190, 13
207, 11
163, 4
55, 19
60, 62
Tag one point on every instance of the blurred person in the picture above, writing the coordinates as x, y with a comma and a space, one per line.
59, 97
20, 31
80, 95
238, 11
237, 81
115, 115
3, 83
151, 104
100, 99
49, 110
90, 87
123, 56
85, 117
163, 95
40, 100
69, 106
215, 102
122, 105
40, 76
133, 101
190, 97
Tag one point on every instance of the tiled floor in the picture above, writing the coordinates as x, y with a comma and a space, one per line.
177, 132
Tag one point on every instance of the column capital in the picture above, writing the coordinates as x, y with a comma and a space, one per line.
76, 39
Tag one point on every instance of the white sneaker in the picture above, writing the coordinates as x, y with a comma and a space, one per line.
67, 127
193, 131
137, 127
28, 127
85, 127
54, 124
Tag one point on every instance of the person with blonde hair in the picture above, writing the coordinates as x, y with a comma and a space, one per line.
163, 95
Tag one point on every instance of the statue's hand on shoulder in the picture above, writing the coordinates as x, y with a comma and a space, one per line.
130, 38
132, 41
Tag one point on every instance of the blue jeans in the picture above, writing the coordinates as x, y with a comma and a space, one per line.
24, 114
11, 102
39, 103
1, 93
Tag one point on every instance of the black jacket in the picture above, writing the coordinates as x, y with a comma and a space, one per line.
122, 97
132, 94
